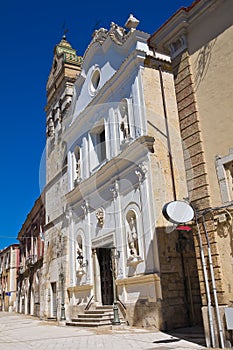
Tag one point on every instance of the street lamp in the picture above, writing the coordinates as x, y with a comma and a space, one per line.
116, 319
62, 279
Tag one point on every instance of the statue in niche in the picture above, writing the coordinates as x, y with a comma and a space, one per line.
132, 249
79, 251
133, 238
134, 258
80, 271
124, 123
79, 247
78, 168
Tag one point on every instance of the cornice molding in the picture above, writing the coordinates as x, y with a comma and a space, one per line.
81, 288
139, 279
128, 160
179, 23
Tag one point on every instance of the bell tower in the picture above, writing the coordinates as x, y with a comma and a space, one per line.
59, 88
66, 67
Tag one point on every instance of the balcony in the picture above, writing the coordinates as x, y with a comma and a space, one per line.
31, 260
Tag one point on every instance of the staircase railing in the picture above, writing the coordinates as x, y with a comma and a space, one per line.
89, 303
122, 307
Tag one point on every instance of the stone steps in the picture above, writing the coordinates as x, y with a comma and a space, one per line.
100, 316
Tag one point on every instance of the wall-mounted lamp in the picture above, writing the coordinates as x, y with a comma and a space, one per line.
81, 261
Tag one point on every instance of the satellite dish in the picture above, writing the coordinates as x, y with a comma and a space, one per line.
178, 212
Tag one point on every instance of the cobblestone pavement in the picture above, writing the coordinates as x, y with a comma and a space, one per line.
20, 332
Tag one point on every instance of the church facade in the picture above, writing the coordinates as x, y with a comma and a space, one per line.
111, 120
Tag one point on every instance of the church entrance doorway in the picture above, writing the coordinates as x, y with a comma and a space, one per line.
106, 282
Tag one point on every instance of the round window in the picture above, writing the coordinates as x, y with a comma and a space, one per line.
95, 80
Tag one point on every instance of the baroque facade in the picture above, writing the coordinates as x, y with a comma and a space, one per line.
201, 52
109, 174
137, 122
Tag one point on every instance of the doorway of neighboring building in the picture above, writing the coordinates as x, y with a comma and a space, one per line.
23, 305
54, 299
104, 257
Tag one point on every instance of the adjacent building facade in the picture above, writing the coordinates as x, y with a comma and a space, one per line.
31, 248
201, 51
9, 264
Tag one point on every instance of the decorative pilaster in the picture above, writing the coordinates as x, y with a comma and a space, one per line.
119, 228
69, 223
87, 217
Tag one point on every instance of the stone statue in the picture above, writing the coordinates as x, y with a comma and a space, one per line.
78, 168
133, 238
132, 249
124, 123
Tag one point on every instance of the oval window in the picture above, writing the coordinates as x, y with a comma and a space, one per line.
95, 80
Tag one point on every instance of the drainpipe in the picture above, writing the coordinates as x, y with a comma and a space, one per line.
210, 315
168, 134
214, 286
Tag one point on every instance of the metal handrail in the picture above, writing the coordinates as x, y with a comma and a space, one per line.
122, 304
89, 303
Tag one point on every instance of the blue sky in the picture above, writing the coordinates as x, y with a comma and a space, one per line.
29, 31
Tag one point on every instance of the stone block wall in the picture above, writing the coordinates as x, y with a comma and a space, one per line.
196, 168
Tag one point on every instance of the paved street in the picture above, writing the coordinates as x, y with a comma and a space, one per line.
19, 332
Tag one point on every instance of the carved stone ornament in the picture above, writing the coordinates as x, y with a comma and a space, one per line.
50, 127
134, 261
85, 207
141, 172
178, 45
100, 216
118, 34
80, 272
115, 189
100, 35
143, 167
132, 22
